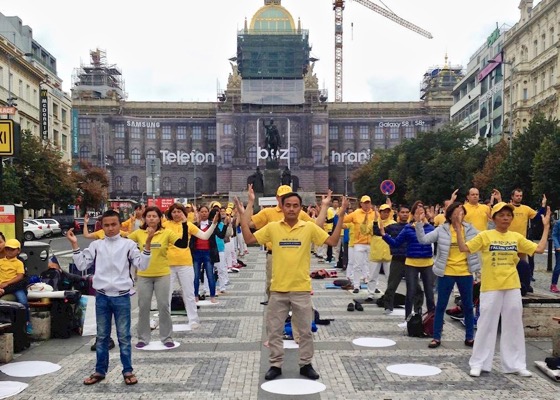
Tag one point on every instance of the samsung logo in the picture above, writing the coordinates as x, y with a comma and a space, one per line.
143, 124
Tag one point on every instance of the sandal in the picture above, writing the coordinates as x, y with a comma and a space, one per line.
434, 343
130, 379
93, 379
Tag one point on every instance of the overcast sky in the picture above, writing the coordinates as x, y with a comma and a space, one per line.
178, 50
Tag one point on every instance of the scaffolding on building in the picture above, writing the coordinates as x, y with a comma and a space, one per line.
98, 80
439, 81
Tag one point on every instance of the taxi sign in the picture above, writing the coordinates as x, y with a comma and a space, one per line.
7, 147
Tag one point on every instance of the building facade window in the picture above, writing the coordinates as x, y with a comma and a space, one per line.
197, 132
294, 156
64, 142
166, 132
135, 132
151, 132
364, 132
317, 130
182, 184
166, 160
317, 156
333, 132
228, 154
409, 132
348, 132
252, 155
84, 126
394, 133
181, 160
135, 156
84, 153
166, 183
211, 133
228, 130
119, 131
378, 133
64, 115
181, 133
118, 183
134, 184
119, 156
151, 153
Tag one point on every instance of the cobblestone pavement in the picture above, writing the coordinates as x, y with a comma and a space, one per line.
225, 358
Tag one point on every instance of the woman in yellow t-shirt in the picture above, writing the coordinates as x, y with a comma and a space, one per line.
181, 261
156, 278
499, 291
451, 266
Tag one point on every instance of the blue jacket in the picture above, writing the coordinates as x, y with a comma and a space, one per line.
413, 249
394, 230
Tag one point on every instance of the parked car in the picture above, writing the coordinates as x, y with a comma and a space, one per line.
66, 222
52, 224
80, 224
32, 231
44, 227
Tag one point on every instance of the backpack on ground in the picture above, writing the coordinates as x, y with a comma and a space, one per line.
428, 323
177, 302
398, 300
414, 325
62, 319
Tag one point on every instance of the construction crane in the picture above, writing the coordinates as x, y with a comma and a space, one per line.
338, 7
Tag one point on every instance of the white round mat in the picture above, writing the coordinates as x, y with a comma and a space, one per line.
373, 342
290, 344
293, 387
11, 388
158, 346
413, 369
181, 328
29, 368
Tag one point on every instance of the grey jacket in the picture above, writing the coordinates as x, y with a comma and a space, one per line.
442, 235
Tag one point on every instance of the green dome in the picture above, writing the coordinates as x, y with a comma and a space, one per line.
272, 18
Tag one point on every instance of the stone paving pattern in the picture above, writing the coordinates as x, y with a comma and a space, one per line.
225, 358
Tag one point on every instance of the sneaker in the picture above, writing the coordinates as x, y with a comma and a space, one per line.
369, 300
525, 373
29, 329
169, 344
309, 372
454, 311
140, 345
387, 311
457, 317
356, 291
475, 371
195, 325
554, 289
154, 323
377, 291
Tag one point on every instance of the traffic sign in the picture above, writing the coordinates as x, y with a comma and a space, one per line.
7, 147
387, 187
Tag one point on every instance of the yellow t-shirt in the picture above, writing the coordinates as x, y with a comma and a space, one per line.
328, 226
291, 253
176, 255
379, 250
439, 220
521, 217
190, 217
419, 262
351, 237
360, 218
159, 263
10, 268
499, 258
457, 260
477, 215
274, 214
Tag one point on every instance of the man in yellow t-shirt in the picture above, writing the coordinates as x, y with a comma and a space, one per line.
272, 214
477, 214
291, 240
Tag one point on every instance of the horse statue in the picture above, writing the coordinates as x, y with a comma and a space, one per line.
272, 140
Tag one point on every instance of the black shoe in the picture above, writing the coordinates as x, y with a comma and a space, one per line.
273, 373
530, 289
377, 291
358, 307
369, 300
264, 303
309, 372
111, 345
356, 291
350, 307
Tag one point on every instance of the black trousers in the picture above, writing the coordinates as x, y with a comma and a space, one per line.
395, 277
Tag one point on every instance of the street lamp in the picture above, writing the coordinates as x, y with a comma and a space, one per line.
510, 111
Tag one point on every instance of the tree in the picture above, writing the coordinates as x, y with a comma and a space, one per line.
93, 183
484, 179
546, 170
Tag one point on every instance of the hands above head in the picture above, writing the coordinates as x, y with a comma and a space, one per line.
72, 237
389, 202
86, 219
546, 217
239, 206
344, 205
497, 195
419, 214
216, 218
454, 195
250, 193
430, 212
326, 200
543, 201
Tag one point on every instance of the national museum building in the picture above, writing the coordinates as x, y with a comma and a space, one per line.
213, 147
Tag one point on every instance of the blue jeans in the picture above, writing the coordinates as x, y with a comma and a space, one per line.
556, 272
105, 308
202, 257
411, 278
21, 297
445, 286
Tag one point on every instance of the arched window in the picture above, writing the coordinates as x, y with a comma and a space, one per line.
84, 153
150, 154
182, 184
332, 185
252, 155
166, 183
134, 184
294, 155
497, 102
118, 183
483, 112
119, 156
135, 156
198, 183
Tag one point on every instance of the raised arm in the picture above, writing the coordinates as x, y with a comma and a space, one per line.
326, 200
245, 216
332, 240
458, 226
206, 235
541, 246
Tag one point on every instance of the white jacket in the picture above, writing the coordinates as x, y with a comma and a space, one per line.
112, 257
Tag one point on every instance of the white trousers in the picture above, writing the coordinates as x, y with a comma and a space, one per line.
184, 274
222, 272
350, 265
228, 250
373, 274
493, 304
361, 263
